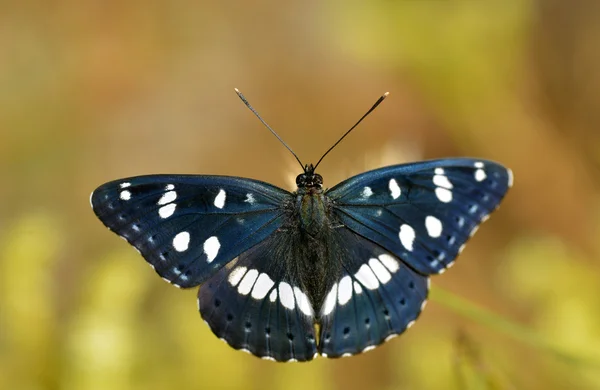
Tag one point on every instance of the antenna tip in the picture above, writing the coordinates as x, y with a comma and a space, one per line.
236, 90
386, 94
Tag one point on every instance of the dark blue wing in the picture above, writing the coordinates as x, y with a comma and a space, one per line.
259, 304
423, 213
371, 298
188, 227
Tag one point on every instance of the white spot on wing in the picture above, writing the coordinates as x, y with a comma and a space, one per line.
329, 304
474, 231
124, 185
480, 175
211, 248
390, 337
169, 187
395, 190
391, 263
407, 236
303, 302
478, 164
236, 275
181, 241
262, 286
249, 199
167, 211
248, 282
380, 271
286, 295
125, 195
367, 192
443, 194
434, 226
366, 277
345, 290
368, 348
167, 197
273, 296
357, 288
220, 199
510, 177
442, 181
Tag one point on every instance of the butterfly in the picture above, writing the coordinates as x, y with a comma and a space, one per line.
288, 276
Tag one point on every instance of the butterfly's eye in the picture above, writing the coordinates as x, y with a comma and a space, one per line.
317, 179
300, 180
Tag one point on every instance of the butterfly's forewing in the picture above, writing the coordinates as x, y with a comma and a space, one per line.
188, 227
371, 298
422, 213
258, 303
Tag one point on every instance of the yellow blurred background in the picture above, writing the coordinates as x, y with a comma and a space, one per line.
92, 91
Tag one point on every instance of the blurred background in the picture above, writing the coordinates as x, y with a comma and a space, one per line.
92, 91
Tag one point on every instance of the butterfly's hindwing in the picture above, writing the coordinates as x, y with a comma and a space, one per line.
187, 227
373, 297
423, 213
259, 304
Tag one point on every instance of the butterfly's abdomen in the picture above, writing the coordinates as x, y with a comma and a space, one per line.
312, 210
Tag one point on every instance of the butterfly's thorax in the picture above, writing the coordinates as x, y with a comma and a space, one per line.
311, 206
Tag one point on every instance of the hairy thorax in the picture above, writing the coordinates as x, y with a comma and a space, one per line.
312, 208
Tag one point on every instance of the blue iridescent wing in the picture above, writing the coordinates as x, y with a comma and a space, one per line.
422, 213
188, 227
372, 297
392, 227
258, 302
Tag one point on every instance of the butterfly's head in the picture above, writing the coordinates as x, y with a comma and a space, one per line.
309, 179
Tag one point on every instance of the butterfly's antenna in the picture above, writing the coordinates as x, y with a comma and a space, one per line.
378, 102
267, 126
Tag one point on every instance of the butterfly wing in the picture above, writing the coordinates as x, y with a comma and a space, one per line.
259, 304
188, 227
422, 213
392, 227
371, 298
